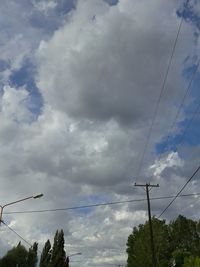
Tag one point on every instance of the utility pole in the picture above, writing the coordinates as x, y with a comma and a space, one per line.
147, 188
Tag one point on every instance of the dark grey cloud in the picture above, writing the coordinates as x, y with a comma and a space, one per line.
111, 68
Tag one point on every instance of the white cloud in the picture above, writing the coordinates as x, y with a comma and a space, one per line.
13, 104
44, 5
169, 161
104, 62
100, 75
105, 73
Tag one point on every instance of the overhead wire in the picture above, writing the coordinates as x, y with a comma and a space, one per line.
98, 205
159, 100
21, 237
178, 194
140, 165
188, 90
187, 127
104, 204
190, 206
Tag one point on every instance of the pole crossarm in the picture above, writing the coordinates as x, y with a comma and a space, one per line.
149, 185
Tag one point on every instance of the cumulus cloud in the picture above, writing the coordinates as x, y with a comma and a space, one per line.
100, 74
171, 160
13, 104
104, 62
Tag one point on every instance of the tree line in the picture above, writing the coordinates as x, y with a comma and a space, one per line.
177, 244
51, 256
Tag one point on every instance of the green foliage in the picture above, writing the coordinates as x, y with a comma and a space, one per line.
55, 257
191, 262
19, 256
46, 255
174, 243
139, 248
185, 235
32, 256
58, 257
178, 257
16, 256
67, 262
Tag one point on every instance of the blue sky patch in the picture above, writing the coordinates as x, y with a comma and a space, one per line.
51, 20
195, 88
189, 134
4, 65
189, 130
63, 7
48, 23
112, 2
25, 77
187, 12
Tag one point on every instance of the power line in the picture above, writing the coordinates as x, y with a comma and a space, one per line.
105, 204
188, 89
159, 99
21, 237
98, 205
181, 138
178, 194
17, 234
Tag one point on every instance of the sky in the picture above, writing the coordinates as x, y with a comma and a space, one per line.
83, 118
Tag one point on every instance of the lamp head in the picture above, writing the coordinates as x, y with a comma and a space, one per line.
38, 196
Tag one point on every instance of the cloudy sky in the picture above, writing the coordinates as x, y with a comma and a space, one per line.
85, 113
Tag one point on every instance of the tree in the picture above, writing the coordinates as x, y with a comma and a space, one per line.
55, 257
185, 235
67, 262
138, 248
46, 255
173, 243
138, 245
32, 256
58, 257
16, 256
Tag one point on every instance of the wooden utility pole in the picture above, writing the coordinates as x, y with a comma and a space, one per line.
147, 187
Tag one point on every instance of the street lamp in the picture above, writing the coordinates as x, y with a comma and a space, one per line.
20, 200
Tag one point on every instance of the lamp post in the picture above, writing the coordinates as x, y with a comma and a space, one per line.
20, 200
72, 255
